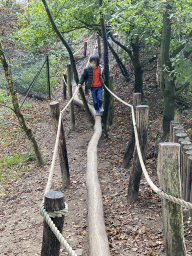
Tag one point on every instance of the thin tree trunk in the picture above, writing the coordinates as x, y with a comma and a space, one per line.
72, 59
16, 108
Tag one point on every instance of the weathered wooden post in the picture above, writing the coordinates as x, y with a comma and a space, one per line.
142, 113
184, 168
62, 149
189, 167
99, 45
85, 49
69, 78
183, 143
168, 170
110, 114
189, 178
180, 135
130, 148
176, 129
64, 86
54, 201
172, 124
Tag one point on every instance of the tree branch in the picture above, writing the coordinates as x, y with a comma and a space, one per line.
181, 88
3, 105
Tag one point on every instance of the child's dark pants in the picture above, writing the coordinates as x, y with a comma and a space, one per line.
97, 94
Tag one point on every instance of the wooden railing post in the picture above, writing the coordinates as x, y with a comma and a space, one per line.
168, 170
172, 124
142, 113
54, 201
130, 148
62, 149
85, 49
189, 167
110, 114
69, 78
64, 86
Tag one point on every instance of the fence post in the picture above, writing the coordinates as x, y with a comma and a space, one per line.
187, 180
130, 148
69, 78
85, 49
64, 86
168, 170
99, 45
176, 129
180, 135
142, 113
54, 201
172, 124
110, 114
62, 149
48, 77
189, 167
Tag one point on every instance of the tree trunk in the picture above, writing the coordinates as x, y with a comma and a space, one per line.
168, 113
106, 73
16, 108
138, 71
72, 59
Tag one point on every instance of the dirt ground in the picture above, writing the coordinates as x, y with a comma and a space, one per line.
132, 230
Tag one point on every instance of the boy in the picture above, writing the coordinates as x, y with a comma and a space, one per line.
93, 78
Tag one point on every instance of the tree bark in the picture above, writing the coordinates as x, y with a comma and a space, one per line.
16, 108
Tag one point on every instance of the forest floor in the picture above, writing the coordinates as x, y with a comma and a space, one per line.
134, 229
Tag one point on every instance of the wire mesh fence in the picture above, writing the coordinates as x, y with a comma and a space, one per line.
30, 74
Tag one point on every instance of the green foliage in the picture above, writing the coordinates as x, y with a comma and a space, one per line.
13, 166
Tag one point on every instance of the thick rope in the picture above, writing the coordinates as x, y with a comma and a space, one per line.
56, 231
151, 184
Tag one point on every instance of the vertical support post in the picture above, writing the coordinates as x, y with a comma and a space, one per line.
99, 45
48, 77
130, 148
186, 184
142, 113
54, 201
62, 149
189, 177
70, 96
168, 170
180, 135
189, 167
176, 129
85, 49
110, 114
172, 124
64, 86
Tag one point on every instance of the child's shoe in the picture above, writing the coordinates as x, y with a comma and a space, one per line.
101, 110
97, 112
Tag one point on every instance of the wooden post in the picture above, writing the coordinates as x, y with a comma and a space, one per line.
110, 114
85, 49
168, 170
54, 201
186, 177
183, 144
189, 176
64, 86
142, 112
70, 96
130, 148
62, 149
99, 45
172, 123
189, 166
175, 129
179, 136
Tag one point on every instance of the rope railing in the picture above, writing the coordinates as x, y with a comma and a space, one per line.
157, 190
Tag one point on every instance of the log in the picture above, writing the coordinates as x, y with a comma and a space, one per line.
54, 201
98, 242
142, 113
62, 149
175, 129
184, 169
69, 79
130, 148
179, 136
168, 170
188, 176
190, 167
